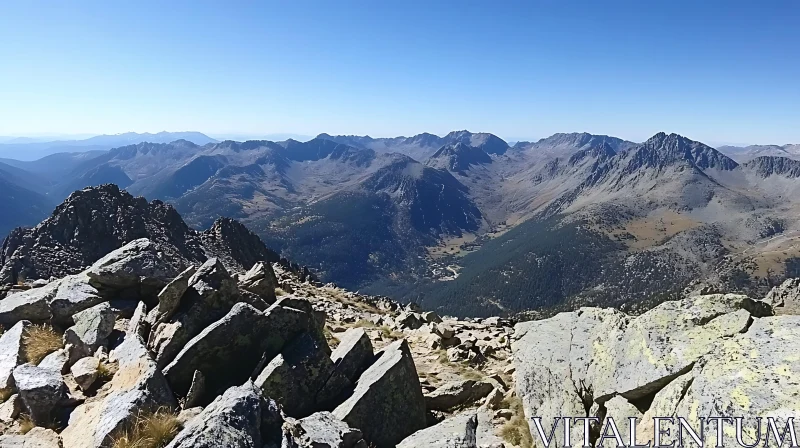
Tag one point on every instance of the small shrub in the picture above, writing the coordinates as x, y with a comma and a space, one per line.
516, 431
5, 394
40, 341
106, 371
151, 430
280, 292
26, 424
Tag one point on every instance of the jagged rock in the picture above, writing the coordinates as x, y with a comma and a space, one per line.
445, 331
85, 371
11, 352
408, 320
211, 294
231, 420
620, 410
74, 295
322, 430
387, 404
455, 432
35, 438
457, 393
494, 400
138, 324
295, 377
260, 280
353, 354
431, 317
40, 390
665, 403
10, 409
32, 305
186, 415
196, 390
238, 341
137, 387
58, 361
170, 297
784, 299
91, 330
126, 267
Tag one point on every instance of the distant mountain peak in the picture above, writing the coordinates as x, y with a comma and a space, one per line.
458, 157
666, 148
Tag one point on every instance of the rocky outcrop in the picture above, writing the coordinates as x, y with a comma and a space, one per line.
90, 332
457, 393
96, 221
390, 384
353, 354
456, 432
689, 358
321, 430
40, 391
785, 298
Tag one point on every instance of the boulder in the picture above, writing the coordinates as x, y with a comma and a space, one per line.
387, 404
785, 298
196, 390
91, 330
295, 377
74, 295
85, 371
238, 341
32, 305
455, 432
260, 280
170, 297
232, 420
211, 294
408, 320
11, 352
353, 354
35, 438
138, 324
457, 394
40, 390
494, 400
58, 361
431, 317
137, 387
127, 266
322, 430
10, 409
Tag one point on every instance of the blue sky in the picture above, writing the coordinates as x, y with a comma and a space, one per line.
717, 71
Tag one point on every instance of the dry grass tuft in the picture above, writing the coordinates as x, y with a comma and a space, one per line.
40, 341
5, 394
516, 431
106, 371
280, 292
25, 424
151, 430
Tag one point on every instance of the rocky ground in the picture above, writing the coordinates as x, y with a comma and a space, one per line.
136, 351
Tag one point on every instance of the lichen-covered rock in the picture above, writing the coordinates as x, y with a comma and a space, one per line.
295, 377
85, 371
40, 390
455, 432
322, 430
137, 387
785, 298
35, 438
32, 305
457, 393
387, 404
211, 294
170, 297
260, 280
232, 420
91, 330
238, 341
11, 352
353, 354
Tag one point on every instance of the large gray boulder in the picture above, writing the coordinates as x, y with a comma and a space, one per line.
58, 361
41, 390
137, 387
260, 280
238, 341
75, 294
170, 296
353, 354
456, 394
321, 430
387, 404
232, 420
211, 294
455, 432
296, 376
85, 371
91, 330
129, 265
11, 352
33, 305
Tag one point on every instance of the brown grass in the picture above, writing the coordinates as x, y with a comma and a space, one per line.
280, 292
516, 431
151, 430
106, 371
40, 341
25, 424
5, 394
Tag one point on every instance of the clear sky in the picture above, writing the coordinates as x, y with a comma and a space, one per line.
717, 71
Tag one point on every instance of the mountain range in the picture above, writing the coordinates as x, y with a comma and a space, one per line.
467, 223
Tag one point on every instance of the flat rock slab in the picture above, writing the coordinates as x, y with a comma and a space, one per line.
456, 394
322, 429
456, 432
33, 305
387, 404
35, 438
353, 354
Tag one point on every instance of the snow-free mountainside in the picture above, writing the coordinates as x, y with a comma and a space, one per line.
124, 327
